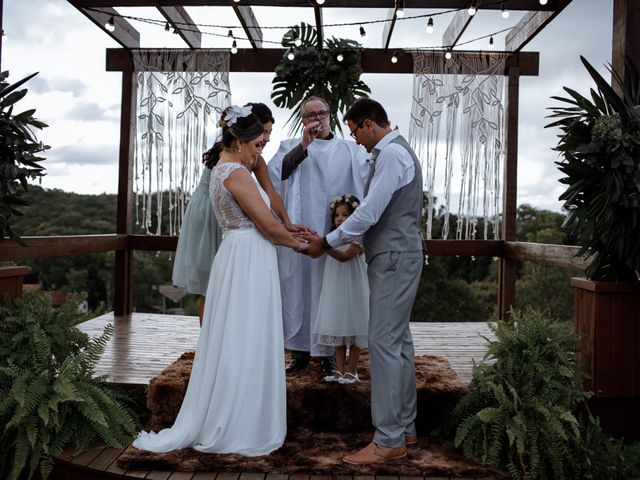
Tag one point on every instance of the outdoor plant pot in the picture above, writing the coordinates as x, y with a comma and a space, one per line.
11, 279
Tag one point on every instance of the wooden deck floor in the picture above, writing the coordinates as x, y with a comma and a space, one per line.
145, 344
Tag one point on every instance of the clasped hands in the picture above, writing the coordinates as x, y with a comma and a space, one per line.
313, 243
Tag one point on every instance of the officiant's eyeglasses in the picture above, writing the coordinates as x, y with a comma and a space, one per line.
322, 114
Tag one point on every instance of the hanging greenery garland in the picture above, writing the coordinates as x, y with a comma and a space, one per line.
332, 73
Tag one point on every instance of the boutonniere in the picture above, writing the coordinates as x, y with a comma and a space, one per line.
371, 161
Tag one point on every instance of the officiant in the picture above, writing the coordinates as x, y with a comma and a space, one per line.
308, 172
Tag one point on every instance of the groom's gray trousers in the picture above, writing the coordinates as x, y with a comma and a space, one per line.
393, 283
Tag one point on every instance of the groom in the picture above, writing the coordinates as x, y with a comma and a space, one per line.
389, 220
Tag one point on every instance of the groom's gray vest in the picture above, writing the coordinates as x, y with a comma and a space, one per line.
398, 229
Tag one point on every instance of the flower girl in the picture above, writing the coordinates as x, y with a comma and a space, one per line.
343, 309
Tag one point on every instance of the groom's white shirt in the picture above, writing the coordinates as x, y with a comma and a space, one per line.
394, 168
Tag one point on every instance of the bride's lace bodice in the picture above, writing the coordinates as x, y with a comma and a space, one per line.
229, 214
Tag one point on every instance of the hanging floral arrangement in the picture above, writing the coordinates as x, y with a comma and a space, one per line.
332, 73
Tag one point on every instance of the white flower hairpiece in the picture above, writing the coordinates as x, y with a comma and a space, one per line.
234, 113
347, 198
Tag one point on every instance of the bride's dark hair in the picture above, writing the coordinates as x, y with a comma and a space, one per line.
244, 129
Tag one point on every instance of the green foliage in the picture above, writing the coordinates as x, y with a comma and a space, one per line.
520, 414
317, 72
600, 146
49, 398
546, 288
18, 153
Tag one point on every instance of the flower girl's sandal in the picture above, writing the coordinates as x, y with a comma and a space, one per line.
349, 377
336, 376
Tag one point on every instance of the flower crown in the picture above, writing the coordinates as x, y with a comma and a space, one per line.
234, 112
346, 199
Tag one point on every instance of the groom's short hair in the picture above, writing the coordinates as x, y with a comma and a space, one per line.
365, 108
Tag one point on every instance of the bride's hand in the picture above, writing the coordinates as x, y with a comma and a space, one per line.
302, 247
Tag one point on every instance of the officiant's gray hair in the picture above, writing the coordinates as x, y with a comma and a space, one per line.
312, 99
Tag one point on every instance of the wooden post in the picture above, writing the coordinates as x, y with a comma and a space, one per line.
626, 37
123, 298
1, 31
507, 287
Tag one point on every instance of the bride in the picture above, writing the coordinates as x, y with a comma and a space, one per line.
236, 398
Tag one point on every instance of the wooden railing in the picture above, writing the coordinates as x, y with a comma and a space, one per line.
61, 246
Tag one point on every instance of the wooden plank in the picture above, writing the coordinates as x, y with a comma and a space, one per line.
154, 243
433, 4
228, 476
252, 476
62, 246
105, 459
630, 325
180, 20
205, 476
317, 13
602, 354
530, 25
389, 25
164, 475
136, 473
560, 255
448, 248
456, 28
181, 476
626, 38
249, 23
124, 33
374, 60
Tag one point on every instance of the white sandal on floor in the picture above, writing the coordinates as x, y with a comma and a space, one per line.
349, 377
336, 376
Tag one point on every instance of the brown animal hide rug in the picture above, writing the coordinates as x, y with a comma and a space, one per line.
325, 421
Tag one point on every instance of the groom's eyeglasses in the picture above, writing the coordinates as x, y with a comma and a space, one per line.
354, 132
322, 114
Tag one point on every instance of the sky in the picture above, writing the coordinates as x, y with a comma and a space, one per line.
80, 101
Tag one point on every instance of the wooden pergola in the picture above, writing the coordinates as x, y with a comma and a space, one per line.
260, 59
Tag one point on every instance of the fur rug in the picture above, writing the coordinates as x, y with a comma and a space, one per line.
324, 422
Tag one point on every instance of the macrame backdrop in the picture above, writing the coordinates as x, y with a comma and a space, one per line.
457, 131
177, 116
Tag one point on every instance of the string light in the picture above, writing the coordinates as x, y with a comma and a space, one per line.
394, 57
230, 34
167, 27
237, 1
291, 55
543, 2
491, 46
505, 12
400, 8
363, 34
234, 47
320, 2
430, 25
111, 24
339, 57
296, 38
472, 10
447, 55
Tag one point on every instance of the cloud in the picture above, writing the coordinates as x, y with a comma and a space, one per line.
80, 154
88, 112
41, 84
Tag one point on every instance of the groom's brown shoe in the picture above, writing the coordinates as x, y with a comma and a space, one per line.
373, 453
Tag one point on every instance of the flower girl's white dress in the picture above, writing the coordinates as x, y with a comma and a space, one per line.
236, 399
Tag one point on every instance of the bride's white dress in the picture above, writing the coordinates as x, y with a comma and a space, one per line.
236, 398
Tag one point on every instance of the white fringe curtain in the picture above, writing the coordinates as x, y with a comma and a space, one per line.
177, 116
457, 130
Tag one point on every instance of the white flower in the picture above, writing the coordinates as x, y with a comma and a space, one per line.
336, 199
371, 161
234, 113
354, 204
332, 204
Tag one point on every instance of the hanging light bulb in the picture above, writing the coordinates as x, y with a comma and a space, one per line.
504, 11
447, 55
320, 2
111, 24
167, 27
491, 45
230, 34
472, 10
363, 34
296, 38
234, 47
394, 57
430, 25
237, 1
339, 57
175, 31
543, 2
399, 8
291, 55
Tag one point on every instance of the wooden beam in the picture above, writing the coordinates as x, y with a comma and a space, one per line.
558, 255
180, 20
125, 34
530, 25
465, 248
389, 25
249, 23
508, 266
456, 28
513, 5
65, 246
319, 25
626, 38
374, 60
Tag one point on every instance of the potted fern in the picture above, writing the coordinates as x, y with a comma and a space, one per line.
600, 158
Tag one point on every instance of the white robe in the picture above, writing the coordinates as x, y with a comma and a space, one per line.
332, 167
